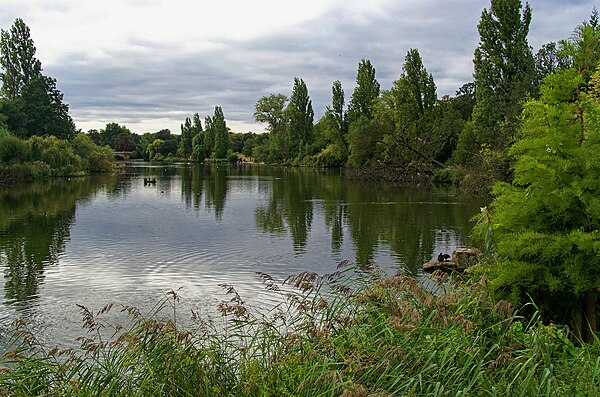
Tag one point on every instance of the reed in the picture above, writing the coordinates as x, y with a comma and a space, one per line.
354, 333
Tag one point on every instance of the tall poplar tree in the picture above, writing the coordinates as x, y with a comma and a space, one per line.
406, 114
209, 136
185, 143
338, 118
221, 133
362, 133
300, 116
366, 90
505, 75
504, 71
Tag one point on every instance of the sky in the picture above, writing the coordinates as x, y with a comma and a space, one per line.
149, 64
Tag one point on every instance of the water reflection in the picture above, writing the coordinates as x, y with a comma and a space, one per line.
290, 206
414, 222
122, 239
35, 223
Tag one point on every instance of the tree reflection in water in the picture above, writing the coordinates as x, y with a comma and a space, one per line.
35, 221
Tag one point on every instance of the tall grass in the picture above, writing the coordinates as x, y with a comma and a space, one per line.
352, 333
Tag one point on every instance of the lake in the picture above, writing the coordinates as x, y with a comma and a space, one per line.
132, 237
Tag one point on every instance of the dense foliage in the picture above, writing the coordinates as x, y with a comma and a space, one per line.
331, 336
545, 224
46, 156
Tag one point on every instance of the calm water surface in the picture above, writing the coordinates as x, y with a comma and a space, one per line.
96, 240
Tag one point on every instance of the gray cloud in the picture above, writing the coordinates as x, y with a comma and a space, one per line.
158, 85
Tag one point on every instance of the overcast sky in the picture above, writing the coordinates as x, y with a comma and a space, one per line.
148, 64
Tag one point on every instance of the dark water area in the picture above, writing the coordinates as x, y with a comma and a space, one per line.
132, 237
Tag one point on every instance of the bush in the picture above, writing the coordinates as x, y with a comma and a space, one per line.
451, 175
12, 149
95, 158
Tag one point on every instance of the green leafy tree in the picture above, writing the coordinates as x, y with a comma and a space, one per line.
199, 148
504, 76
336, 120
406, 114
548, 60
582, 50
17, 58
366, 90
464, 101
32, 104
153, 150
185, 144
546, 222
300, 116
504, 71
221, 133
109, 134
209, 136
271, 110
41, 111
124, 142
363, 135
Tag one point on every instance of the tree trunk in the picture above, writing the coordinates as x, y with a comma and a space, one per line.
589, 307
577, 322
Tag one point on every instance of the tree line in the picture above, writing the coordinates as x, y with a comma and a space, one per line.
408, 130
396, 133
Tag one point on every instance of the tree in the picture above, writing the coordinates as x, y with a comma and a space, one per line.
199, 152
153, 149
17, 58
221, 133
43, 110
548, 60
582, 50
406, 114
366, 90
338, 119
504, 71
185, 144
271, 110
546, 222
110, 133
464, 101
504, 76
33, 104
361, 130
300, 115
124, 142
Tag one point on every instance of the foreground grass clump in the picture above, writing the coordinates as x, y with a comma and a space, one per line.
336, 335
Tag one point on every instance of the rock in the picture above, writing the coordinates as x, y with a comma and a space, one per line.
466, 257
462, 258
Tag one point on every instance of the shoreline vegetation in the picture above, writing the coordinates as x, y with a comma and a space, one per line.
355, 332
43, 157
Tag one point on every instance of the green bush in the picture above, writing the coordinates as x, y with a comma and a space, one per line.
12, 149
451, 175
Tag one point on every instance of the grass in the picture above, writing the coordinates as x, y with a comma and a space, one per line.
352, 333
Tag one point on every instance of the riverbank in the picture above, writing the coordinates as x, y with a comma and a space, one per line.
346, 334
